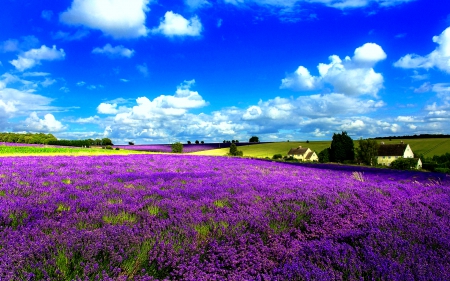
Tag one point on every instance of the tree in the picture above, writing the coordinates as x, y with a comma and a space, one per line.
324, 156
177, 147
403, 164
202, 142
106, 141
342, 148
234, 151
131, 143
197, 142
188, 142
367, 151
253, 139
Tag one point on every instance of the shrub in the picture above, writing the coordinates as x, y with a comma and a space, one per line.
277, 156
177, 147
234, 151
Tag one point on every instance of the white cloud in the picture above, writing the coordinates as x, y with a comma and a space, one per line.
47, 124
406, 119
176, 25
369, 54
439, 58
116, 18
349, 76
118, 51
107, 108
34, 57
353, 126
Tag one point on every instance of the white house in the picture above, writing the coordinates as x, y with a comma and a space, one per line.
303, 153
387, 153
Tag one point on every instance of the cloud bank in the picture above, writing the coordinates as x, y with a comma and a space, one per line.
115, 18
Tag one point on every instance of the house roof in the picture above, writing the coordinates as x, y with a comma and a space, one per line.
298, 151
309, 155
392, 149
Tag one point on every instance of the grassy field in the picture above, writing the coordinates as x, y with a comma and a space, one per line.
29, 150
268, 149
427, 147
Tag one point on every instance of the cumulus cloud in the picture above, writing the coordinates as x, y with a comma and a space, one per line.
439, 58
176, 25
107, 108
118, 51
47, 124
116, 18
34, 57
351, 76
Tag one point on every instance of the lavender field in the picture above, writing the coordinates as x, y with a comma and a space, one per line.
172, 217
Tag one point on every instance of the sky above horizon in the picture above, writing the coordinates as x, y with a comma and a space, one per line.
163, 71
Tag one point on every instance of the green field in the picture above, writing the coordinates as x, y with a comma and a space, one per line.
268, 149
27, 150
427, 147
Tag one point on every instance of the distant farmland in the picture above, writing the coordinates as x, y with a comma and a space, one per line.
427, 147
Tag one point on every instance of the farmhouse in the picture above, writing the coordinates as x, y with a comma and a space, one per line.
387, 153
303, 153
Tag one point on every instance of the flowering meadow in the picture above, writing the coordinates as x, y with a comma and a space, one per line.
181, 217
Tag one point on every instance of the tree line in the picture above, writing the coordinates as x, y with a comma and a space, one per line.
41, 138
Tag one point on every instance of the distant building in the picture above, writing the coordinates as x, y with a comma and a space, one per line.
303, 153
387, 153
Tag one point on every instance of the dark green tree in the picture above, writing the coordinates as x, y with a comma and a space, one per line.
367, 151
234, 151
106, 141
342, 148
403, 164
324, 156
177, 147
253, 139
197, 142
188, 142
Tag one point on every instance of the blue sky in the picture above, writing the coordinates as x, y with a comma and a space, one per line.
164, 71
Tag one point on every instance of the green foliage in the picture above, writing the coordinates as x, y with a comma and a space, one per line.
403, 164
197, 142
130, 143
253, 139
367, 151
29, 138
177, 147
76, 143
342, 148
324, 156
234, 151
106, 141
277, 156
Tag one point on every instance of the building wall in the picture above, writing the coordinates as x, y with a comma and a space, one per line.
387, 160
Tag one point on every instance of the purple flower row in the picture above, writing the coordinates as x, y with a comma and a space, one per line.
166, 217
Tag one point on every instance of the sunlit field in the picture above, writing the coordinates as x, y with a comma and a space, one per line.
172, 217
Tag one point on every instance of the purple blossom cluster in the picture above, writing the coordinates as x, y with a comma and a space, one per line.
167, 217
